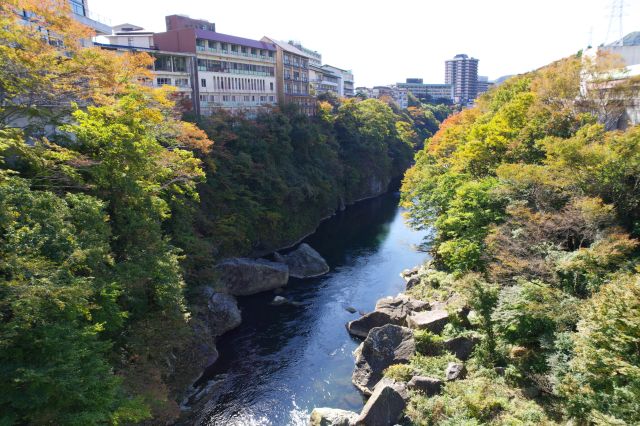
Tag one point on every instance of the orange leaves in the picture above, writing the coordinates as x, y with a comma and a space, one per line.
192, 137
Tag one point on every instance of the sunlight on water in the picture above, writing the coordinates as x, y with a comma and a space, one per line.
285, 360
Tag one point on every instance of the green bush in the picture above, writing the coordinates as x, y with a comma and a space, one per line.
399, 372
476, 401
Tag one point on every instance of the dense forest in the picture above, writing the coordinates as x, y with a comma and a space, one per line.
534, 200
271, 178
113, 208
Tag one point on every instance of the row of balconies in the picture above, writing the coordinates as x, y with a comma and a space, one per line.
303, 79
295, 64
232, 53
242, 72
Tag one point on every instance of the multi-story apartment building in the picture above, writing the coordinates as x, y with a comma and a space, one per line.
462, 73
315, 58
169, 69
422, 90
323, 81
232, 73
292, 72
81, 13
346, 88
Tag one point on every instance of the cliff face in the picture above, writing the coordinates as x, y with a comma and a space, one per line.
271, 180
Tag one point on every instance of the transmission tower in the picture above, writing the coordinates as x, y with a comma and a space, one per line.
615, 20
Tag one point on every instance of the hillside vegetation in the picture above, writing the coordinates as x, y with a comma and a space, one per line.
536, 210
112, 208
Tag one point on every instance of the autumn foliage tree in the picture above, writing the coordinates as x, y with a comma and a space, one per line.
532, 192
92, 165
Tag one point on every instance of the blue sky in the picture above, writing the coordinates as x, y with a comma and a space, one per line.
384, 42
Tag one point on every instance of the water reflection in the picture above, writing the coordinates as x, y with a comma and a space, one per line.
284, 360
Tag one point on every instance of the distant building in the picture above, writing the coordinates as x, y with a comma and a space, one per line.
364, 91
323, 80
627, 47
420, 90
292, 78
132, 36
232, 73
180, 22
346, 85
462, 73
315, 58
382, 91
484, 84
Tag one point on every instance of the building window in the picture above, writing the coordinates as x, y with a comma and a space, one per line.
271, 86
225, 98
162, 81
78, 7
271, 99
182, 82
203, 82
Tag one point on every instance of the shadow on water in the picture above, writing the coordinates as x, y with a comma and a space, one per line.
284, 360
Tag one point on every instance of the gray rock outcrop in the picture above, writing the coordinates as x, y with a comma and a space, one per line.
433, 321
332, 417
461, 347
222, 313
243, 276
389, 310
385, 406
361, 326
455, 371
427, 385
384, 346
305, 262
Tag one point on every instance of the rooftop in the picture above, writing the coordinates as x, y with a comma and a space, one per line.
287, 47
225, 38
631, 39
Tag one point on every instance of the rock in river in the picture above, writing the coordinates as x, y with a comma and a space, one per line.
384, 346
305, 262
242, 276
332, 417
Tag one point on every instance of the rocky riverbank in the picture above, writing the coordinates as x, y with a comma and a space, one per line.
218, 310
393, 334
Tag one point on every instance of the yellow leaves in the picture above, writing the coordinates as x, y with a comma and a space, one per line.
192, 137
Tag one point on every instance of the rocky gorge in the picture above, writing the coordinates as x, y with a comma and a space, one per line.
391, 336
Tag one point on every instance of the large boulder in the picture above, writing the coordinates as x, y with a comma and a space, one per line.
222, 313
433, 321
401, 306
389, 310
385, 406
361, 326
427, 385
305, 262
242, 276
384, 346
461, 347
332, 417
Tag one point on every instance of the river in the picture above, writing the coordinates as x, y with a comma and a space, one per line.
285, 360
